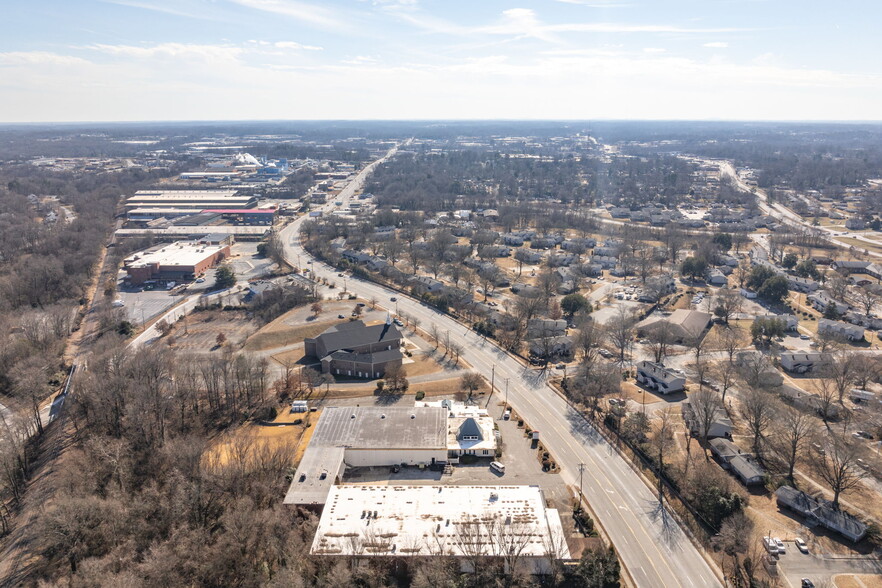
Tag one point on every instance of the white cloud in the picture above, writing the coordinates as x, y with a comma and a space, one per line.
303, 11
716, 45
295, 45
39, 58
220, 82
653, 50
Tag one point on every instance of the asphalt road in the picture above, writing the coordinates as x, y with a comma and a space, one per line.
652, 546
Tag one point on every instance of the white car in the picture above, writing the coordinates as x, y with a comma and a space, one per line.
780, 545
117, 303
800, 545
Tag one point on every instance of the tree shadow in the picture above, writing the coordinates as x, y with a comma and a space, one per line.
669, 527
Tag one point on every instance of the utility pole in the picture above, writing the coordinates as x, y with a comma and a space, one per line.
506, 392
492, 380
581, 470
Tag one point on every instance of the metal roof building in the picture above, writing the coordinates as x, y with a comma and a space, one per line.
364, 437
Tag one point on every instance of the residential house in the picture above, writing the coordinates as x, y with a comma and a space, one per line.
821, 301
656, 377
806, 285
803, 363
551, 347
721, 426
819, 511
540, 327
715, 277
839, 329
790, 320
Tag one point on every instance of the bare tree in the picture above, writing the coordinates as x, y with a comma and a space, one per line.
758, 409
470, 382
620, 332
837, 465
728, 303
826, 393
730, 340
724, 374
866, 368
706, 408
659, 335
793, 429
661, 441
867, 297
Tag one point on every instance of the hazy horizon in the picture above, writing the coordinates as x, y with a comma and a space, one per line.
227, 60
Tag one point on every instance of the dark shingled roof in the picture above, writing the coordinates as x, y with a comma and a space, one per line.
354, 333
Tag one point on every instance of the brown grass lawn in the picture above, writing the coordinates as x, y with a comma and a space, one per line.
857, 581
278, 334
291, 436
421, 366
861, 244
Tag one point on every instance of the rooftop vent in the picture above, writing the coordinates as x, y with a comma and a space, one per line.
413, 416
382, 416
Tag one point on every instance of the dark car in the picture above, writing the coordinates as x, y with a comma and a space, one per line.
394, 299
806, 583
340, 316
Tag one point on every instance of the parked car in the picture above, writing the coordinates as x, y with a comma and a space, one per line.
340, 316
782, 549
804, 337
800, 545
560, 366
806, 583
507, 415
394, 299
200, 280
117, 303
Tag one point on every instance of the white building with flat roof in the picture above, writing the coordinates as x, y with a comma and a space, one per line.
511, 523
190, 199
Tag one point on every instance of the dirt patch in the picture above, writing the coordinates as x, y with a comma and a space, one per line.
422, 365
633, 392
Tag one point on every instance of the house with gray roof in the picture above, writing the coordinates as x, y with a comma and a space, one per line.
839, 329
818, 511
656, 377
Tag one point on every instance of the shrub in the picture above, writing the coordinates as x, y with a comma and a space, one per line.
420, 395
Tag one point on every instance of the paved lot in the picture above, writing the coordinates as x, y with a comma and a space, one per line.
143, 306
794, 565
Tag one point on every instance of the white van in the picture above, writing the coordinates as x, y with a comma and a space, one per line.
495, 465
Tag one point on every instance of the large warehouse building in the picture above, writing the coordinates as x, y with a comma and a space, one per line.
189, 199
510, 523
177, 261
366, 436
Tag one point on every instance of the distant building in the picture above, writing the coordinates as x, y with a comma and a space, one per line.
720, 427
177, 261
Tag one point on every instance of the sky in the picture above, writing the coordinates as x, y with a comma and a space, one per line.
143, 60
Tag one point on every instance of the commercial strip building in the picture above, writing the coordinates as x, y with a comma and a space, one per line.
189, 199
176, 232
177, 261
470, 523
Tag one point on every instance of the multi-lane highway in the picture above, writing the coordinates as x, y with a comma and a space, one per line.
653, 547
